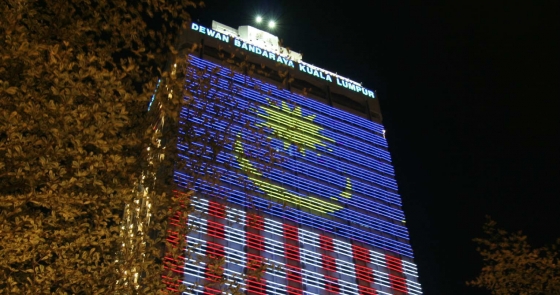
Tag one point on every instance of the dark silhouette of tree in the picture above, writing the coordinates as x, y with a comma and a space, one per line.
513, 267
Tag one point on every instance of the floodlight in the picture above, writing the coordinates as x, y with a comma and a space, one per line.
271, 24
259, 19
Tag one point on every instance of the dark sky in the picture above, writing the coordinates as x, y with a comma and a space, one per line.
469, 91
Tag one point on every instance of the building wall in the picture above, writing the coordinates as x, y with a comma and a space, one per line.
325, 218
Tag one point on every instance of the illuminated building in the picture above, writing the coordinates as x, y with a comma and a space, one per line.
326, 217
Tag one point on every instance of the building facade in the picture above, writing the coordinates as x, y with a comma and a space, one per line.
305, 200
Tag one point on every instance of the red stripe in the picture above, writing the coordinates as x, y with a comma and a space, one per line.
173, 276
216, 209
215, 229
329, 264
393, 263
293, 262
396, 275
331, 285
171, 286
255, 282
398, 283
326, 243
214, 248
364, 290
364, 273
360, 253
255, 241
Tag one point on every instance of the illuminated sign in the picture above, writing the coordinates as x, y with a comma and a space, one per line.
264, 53
284, 59
315, 72
355, 87
210, 32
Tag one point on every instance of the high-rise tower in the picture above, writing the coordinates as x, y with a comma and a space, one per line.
305, 200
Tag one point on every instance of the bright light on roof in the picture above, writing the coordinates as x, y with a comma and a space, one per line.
259, 19
271, 24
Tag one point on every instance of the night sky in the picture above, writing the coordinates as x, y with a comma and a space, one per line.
469, 92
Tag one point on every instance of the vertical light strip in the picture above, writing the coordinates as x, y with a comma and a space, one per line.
214, 248
364, 273
396, 275
293, 262
169, 263
255, 281
329, 264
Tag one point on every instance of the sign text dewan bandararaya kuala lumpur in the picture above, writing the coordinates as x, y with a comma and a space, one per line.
311, 70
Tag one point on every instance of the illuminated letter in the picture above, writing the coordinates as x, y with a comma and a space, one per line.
225, 38
358, 88
194, 27
364, 91
211, 33
338, 81
316, 74
251, 48
328, 78
258, 50
265, 54
321, 74
237, 43
291, 64
244, 46
371, 94
272, 56
352, 86
279, 59
301, 67
202, 30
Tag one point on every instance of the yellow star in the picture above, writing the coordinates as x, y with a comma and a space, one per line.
290, 126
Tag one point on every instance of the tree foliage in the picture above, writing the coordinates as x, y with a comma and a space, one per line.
513, 267
88, 202
75, 80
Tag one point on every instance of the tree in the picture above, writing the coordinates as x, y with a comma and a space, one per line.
77, 147
512, 266
88, 204
208, 150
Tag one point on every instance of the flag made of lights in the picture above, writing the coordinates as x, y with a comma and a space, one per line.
327, 215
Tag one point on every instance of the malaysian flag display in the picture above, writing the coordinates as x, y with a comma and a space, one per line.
323, 217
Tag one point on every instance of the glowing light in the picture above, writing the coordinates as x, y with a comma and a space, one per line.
272, 24
259, 19
279, 193
236, 240
353, 170
292, 127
